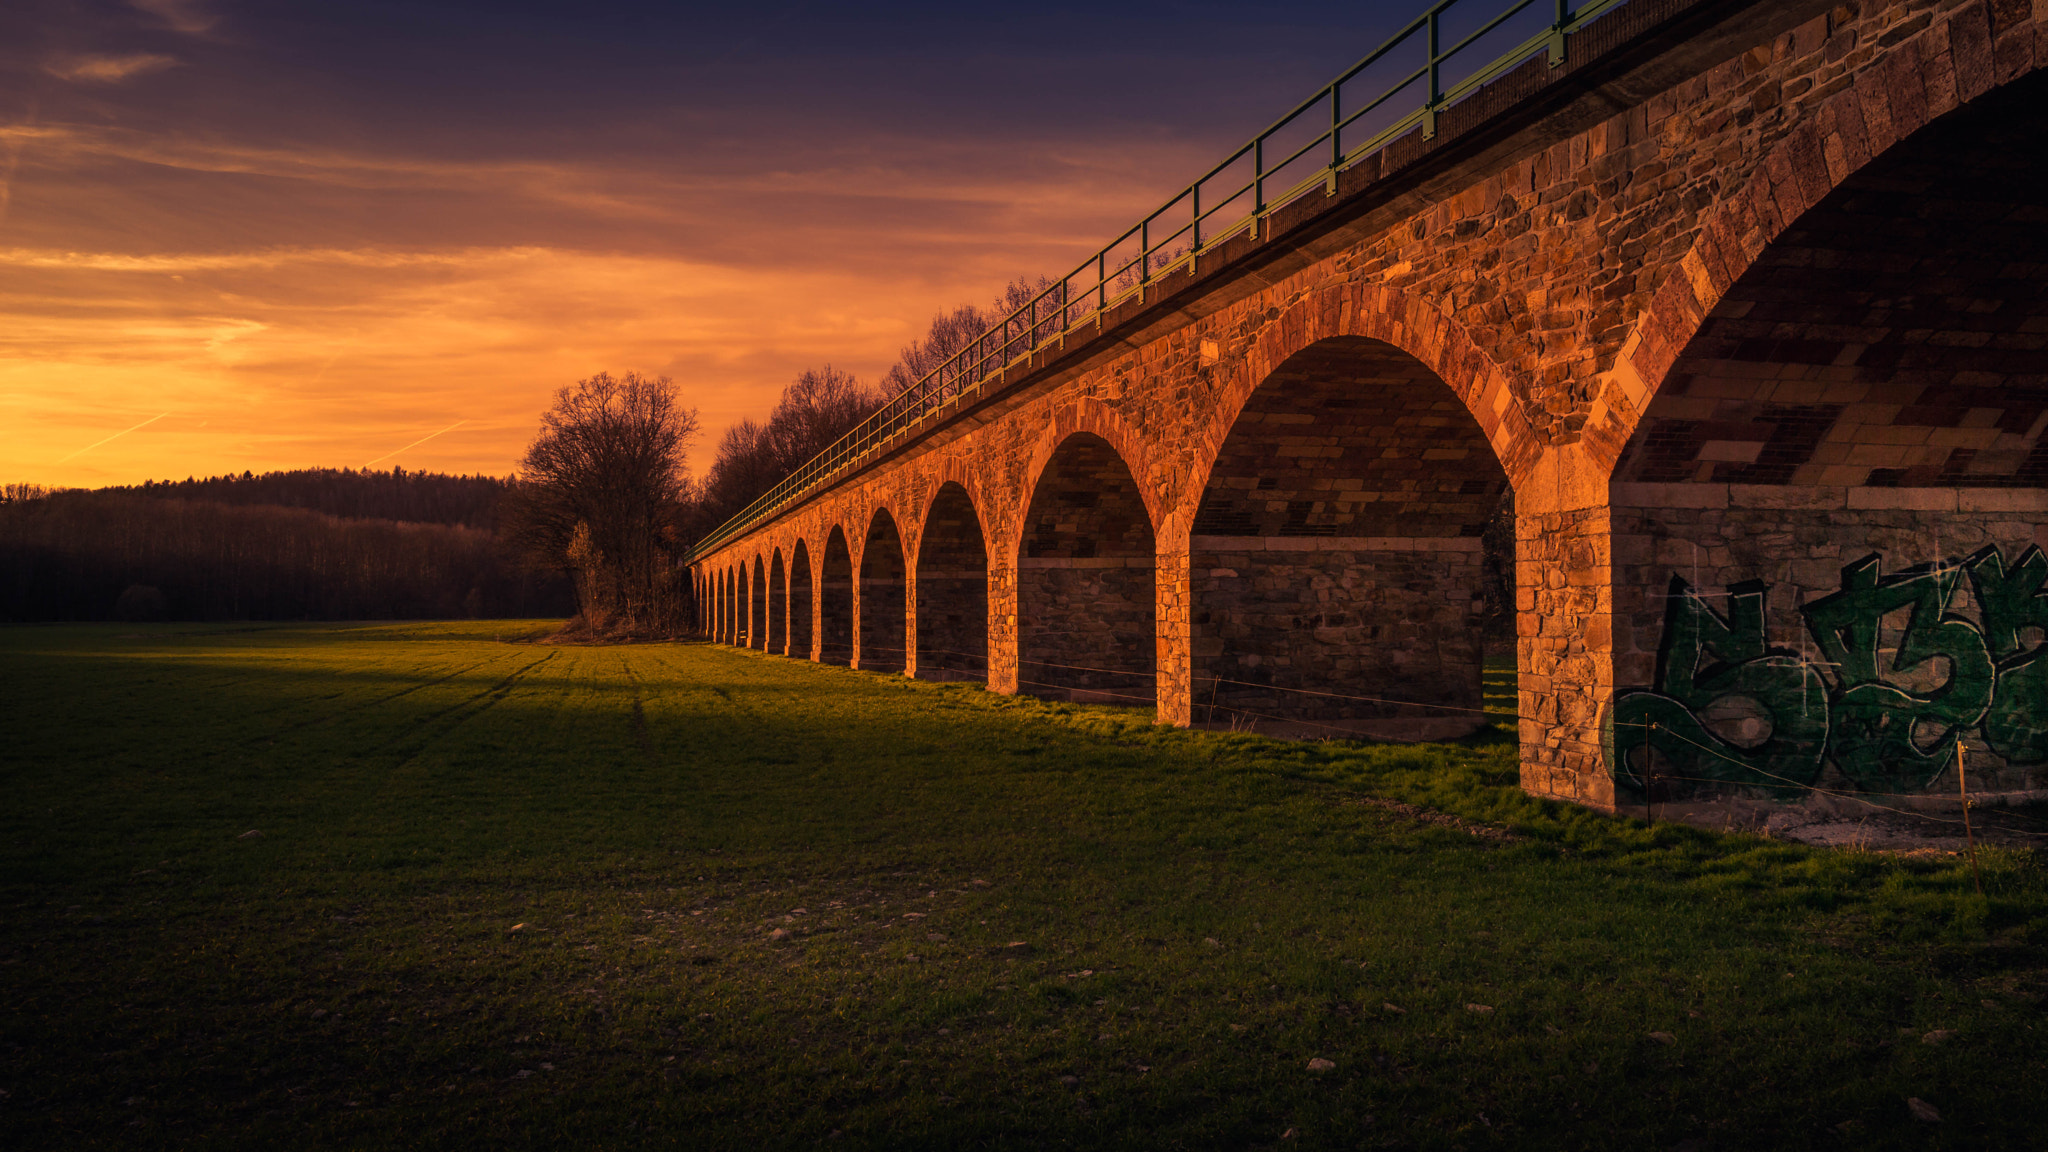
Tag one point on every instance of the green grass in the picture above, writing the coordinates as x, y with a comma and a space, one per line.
1205, 914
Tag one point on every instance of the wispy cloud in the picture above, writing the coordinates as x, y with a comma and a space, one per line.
189, 16
108, 69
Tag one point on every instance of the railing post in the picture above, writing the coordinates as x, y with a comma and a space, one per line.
1435, 88
1258, 177
1336, 134
1564, 18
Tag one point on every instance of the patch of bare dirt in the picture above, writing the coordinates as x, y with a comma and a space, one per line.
1872, 825
1435, 819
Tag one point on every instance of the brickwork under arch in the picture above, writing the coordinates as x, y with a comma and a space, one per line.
1335, 558
1085, 585
882, 590
952, 589
835, 598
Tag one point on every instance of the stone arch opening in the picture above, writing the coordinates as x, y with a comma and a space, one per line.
801, 601
757, 606
882, 590
835, 600
1339, 573
778, 606
952, 590
728, 618
1086, 628
1826, 525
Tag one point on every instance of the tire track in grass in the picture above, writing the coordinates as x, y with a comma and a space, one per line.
350, 710
639, 714
470, 709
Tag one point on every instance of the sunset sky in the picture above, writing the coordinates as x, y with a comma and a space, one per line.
309, 234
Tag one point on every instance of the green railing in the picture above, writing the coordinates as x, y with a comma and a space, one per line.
1302, 151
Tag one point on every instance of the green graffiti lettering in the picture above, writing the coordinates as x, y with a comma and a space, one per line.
2013, 603
1883, 737
1728, 709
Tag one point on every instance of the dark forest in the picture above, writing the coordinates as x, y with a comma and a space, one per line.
314, 544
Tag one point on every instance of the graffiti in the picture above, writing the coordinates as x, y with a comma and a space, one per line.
2015, 609
1886, 738
1727, 708
1902, 675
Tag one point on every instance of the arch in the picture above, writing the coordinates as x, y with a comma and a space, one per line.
1087, 553
736, 621
802, 601
952, 588
1850, 438
953, 471
778, 605
1086, 415
1337, 560
883, 591
835, 599
1882, 107
757, 605
725, 590
1400, 321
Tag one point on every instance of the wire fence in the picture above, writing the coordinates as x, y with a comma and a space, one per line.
1650, 777
1444, 55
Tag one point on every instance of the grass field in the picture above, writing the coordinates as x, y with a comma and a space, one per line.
430, 885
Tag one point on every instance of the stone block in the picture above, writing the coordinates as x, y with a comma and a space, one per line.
2002, 500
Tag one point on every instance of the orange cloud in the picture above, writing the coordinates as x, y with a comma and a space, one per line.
297, 306
108, 69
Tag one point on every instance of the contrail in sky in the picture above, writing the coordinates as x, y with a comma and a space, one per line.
417, 443
115, 436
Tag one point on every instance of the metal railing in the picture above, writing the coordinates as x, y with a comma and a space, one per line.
1303, 150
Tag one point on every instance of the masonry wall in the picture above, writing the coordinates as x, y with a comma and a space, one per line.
1893, 622
1853, 440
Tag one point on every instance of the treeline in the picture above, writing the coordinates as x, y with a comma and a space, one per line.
124, 554
418, 497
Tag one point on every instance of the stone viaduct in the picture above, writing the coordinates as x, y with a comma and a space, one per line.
1745, 306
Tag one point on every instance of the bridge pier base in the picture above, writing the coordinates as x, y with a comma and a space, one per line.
1564, 610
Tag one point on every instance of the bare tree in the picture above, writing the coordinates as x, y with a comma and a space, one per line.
599, 492
952, 331
818, 407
